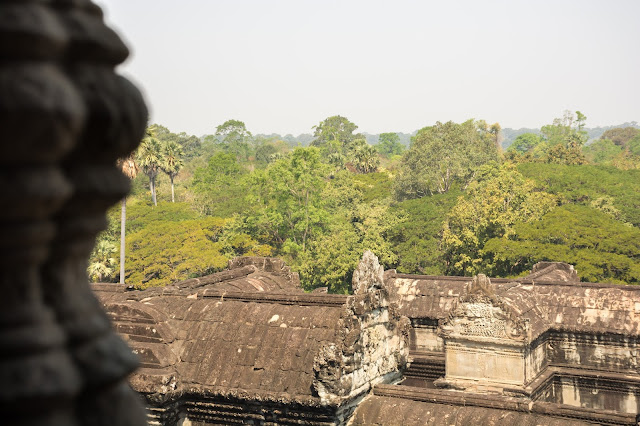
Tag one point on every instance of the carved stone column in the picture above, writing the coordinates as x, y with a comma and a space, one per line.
65, 117
41, 115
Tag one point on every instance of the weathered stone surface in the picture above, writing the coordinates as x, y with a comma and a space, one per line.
368, 275
65, 116
413, 406
528, 337
251, 339
589, 307
554, 271
247, 345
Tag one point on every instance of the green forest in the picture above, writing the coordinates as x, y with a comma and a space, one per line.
451, 199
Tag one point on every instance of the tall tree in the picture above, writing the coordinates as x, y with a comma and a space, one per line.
602, 151
149, 158
443, 154
620, 135
570, 154
334, 128
170, 247
130, 169
496, 200
334, 136
219, 186
525, 142
389, 144
191, 145
172, 162
566, 130
364, 156
602, 248
496, 130
235, 138
288, 206
634, 145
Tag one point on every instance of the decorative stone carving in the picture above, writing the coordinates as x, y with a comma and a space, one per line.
484, 340
40, 117
554, 271
368, 275
374, 339
485, 320
65, 117
480, 286
480, 313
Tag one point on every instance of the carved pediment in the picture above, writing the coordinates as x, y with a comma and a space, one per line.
480, 313
481, 319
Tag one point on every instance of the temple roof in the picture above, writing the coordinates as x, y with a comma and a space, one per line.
249, 331
237, 330
418, 406
562, 305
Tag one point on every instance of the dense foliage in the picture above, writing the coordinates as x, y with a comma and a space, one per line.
442, 155
495, 202
452, 203
587, 183
601, 248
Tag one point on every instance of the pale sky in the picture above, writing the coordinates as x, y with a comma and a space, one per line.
388, 66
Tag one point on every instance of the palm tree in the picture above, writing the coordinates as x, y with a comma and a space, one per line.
130, 169
149, 158
365, 157
101, 261
172, 162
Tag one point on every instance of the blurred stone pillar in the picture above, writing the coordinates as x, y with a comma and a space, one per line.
65, 117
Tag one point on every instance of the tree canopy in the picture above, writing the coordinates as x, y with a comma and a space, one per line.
442, 155
601, 248
496, 200
288, 201
389, 144
218, 187
234, 137
149, 157
620, 136
334, 128
525, 142
452, 204
171, 162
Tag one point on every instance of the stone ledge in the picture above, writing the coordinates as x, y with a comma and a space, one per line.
506, 403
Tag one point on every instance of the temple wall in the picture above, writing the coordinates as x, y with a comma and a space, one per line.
372, 345
596, 394
610, 352
424, 337
494, 362
536, 359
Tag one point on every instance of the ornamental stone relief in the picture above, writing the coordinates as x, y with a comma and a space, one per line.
481, 321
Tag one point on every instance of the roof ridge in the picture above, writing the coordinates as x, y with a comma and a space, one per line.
304, 299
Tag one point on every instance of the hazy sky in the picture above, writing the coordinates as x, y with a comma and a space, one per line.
284, 66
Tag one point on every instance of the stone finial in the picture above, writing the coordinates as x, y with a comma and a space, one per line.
554, 271
481, 285
368, 275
